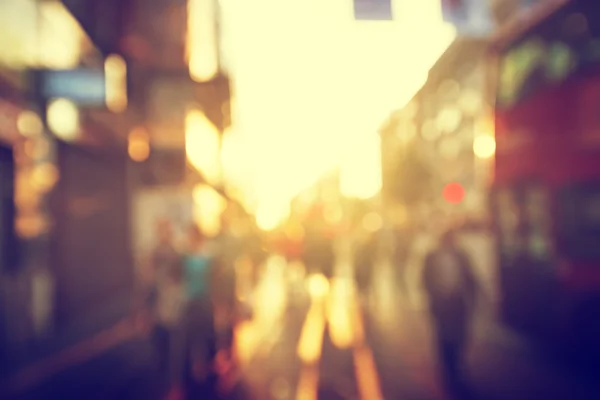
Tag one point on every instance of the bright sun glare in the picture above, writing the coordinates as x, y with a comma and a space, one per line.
313, 86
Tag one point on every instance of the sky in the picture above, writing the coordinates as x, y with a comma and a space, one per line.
312, 86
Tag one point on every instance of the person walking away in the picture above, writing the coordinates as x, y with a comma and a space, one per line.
163, 268
164, 256
169, 330
451, 287
198, 276
228, 249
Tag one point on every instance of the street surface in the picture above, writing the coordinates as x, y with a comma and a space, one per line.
314, 339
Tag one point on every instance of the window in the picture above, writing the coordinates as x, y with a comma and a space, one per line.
564, 46
523, 222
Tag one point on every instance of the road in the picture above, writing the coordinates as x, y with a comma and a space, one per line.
316, 339
326, 346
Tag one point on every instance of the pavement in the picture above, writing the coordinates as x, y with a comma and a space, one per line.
314, 339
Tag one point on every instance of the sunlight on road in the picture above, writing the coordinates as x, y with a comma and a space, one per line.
269, 303
384, 298
308, 385
367, 377
339, 313
311, 339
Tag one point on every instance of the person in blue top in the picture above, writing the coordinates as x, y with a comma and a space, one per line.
197, 277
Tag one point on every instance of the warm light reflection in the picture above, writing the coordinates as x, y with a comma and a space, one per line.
311, 338
484, 146
138, 144
318, 286
115, 70
31, 225
208, 208
63, 119
36, 149
368, 382
340, 322
30, 124
202, 145
202, 43
44, 177
269, 302
308, 384
271, 213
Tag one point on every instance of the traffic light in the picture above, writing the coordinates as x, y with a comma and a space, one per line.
453, 193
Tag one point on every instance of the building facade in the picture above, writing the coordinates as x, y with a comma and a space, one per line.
67, 178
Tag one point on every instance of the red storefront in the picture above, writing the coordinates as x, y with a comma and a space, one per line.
546, 190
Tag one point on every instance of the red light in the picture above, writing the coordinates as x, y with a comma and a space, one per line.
454, 193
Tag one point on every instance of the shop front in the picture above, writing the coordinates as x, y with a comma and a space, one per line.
8, 257
64, 234
9, 254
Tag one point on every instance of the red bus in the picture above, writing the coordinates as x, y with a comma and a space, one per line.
545, 194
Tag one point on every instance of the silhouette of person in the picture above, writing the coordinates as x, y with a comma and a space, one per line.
451, 287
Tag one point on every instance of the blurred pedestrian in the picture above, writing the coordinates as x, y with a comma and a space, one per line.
163, 258
169, 331
198, 276
451, 288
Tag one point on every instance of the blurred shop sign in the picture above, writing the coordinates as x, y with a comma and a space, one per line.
373, 10
470, 17
86, 87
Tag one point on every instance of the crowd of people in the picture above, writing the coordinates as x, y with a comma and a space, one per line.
187, 281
